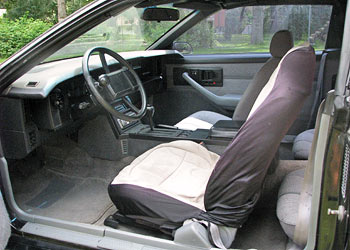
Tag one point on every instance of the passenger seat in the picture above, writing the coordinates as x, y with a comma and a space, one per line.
281, 43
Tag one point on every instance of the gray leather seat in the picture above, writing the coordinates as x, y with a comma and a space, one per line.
281, 42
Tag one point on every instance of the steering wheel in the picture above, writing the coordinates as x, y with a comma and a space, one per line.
115, 85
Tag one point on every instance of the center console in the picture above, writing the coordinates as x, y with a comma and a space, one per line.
220, 134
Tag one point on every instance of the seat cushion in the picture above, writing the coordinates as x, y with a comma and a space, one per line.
302, 144
179, 169
201, 120
288, 201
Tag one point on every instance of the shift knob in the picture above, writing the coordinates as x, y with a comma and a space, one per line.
150, 113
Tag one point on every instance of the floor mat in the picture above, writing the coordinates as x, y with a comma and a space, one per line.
86, 203
56, 189
262, 231
70, 185
80, 200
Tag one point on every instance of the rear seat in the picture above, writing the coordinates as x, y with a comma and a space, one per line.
296, 189
302, 145
296, 184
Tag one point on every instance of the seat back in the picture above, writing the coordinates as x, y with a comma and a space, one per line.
281, 43
236, 181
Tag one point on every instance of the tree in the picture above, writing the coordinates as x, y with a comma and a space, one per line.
298, 22
37, 9
279, 18
73, 5
257, 36
199, 36
234, 22
46, 10
61, 10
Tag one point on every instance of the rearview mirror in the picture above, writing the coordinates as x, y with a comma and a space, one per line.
160, 14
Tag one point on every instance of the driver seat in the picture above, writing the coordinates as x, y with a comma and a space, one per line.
181, 181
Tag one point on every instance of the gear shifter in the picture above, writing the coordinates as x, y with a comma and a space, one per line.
150, 113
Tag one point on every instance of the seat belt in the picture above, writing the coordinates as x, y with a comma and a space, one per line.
219, 236
319, 90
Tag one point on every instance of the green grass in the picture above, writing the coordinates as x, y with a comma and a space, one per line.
238, 44
241, 44
2, 59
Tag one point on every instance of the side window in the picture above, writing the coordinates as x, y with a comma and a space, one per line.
249, 29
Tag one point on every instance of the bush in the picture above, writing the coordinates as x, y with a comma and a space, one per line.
17, 33
200, 36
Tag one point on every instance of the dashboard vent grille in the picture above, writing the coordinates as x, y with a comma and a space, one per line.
125, 147
32, 139
32, 84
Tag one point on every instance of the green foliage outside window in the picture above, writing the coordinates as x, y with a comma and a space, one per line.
17, 33
201, 36
45, 10
153, 30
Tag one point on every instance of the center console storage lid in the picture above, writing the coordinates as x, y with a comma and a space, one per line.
228, 124
226, 128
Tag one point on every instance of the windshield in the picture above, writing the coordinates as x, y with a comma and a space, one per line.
124, 32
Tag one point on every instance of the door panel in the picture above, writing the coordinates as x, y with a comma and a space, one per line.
236, 76
238, 41
182, 100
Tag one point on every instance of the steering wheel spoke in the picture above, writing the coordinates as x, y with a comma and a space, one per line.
122, 94
130, 105
115, 85
102, 56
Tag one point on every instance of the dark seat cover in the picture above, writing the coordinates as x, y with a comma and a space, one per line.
236, 181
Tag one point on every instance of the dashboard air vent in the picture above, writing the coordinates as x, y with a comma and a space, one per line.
32, 84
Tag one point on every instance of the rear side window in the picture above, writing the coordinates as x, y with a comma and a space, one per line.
249, 29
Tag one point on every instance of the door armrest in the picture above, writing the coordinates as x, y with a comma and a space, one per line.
229, 101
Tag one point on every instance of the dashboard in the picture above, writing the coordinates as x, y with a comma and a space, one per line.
53, 96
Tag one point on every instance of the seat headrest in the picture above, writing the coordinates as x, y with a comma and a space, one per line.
281, 42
